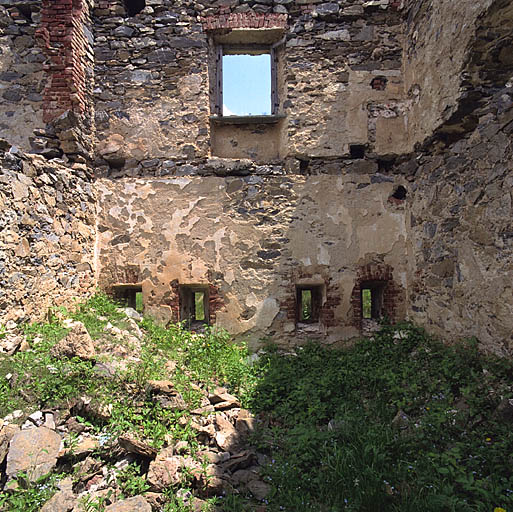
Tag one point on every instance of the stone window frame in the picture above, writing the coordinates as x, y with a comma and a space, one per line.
247, 38
222, 49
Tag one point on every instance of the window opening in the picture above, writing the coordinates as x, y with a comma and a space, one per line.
367, 303
357, 151
199, 306
372, 300
130, 296
308, 304
246, 80
134, 7
247, 85
194, 305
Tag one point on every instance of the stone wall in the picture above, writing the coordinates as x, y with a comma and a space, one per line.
371, 95
462, 232
253, 239
440, 43
47, 235
22, 78
153, 97
152, 102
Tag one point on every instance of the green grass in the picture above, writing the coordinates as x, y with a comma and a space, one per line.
447, 458
29, 498
327, 415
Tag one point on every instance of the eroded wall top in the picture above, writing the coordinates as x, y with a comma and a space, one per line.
452, 51
339, 82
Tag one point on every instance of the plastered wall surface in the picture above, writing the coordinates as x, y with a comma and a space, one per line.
372, 95
253, 239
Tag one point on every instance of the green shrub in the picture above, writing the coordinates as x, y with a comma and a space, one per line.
334, 446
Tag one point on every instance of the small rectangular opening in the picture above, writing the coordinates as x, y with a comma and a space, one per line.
194, 305
357, 151
246, 84
130, 296
372, 299
306, 306
199, 306
308, 303
367, 303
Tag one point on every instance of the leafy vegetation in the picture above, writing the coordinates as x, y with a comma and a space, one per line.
399, 422
338, 443
28, 497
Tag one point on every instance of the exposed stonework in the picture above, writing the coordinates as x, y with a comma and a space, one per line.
446, 59
387, 159
462, 232
22, 78
47, 235
152, 92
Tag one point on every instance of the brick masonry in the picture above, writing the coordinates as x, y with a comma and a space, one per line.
393, 294
331, 299
244, 20
63, 35
172, 300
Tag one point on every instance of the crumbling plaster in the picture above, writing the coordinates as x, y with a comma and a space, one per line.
253, 238
291, 205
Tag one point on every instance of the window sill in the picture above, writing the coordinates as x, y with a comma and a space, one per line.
308, 327
247, 119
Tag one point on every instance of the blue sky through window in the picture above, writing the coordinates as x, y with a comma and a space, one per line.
246, 85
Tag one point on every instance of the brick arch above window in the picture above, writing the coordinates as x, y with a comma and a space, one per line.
245, 20
393, 293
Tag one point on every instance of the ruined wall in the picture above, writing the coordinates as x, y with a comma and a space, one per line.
333, 53
440, 37
22, 78
252, 210
153, 97
253, 239
462, 233
152, 102
47, 235
461, 211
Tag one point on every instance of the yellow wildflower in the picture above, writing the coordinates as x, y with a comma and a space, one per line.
499, 509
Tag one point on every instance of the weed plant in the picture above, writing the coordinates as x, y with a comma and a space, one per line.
28, 497
34, 379
334, 444
332, 432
